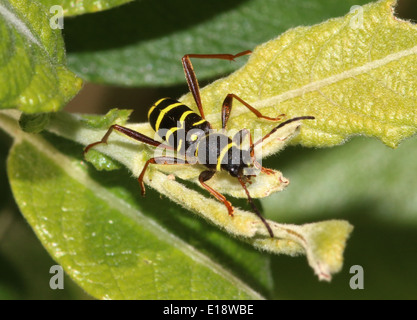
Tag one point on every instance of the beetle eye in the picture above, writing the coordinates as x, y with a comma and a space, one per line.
234, 171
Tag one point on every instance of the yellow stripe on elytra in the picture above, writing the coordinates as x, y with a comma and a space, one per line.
196, 151
179, 145
184, 115
199, 122
222, 154
164, 112
154, 106
170, 132
182, 119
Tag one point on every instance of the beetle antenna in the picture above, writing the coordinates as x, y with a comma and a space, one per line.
282, 124
255, 209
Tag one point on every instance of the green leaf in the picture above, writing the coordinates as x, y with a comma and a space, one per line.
111, 252
147, 47
76, 7
26, 262
99, 160
115, 244
354, 79
113, 116
33, 74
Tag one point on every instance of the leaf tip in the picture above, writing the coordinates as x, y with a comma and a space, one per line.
326, 242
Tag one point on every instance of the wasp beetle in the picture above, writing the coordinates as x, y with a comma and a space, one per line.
174, 121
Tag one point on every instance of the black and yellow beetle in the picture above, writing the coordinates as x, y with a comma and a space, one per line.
191, 136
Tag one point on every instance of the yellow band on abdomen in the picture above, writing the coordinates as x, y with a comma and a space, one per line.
222, 154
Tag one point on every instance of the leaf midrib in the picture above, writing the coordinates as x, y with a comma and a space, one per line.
319, 84
23, 29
